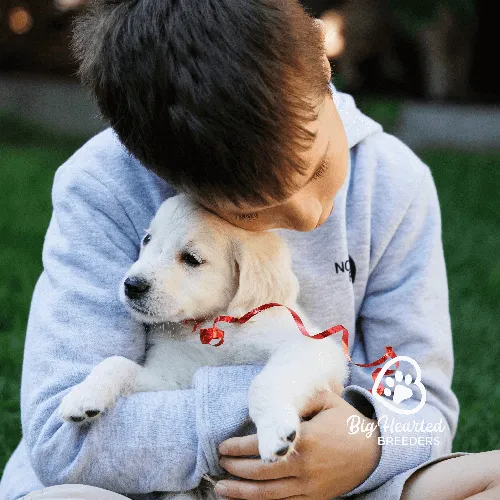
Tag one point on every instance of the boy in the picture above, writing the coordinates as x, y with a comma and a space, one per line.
232, 102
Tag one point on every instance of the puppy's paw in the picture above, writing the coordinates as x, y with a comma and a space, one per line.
86, 402
278, 436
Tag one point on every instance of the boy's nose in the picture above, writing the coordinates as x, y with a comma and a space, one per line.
302, 214
135, 287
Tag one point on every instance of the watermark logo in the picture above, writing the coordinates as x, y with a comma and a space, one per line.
398, 433
401, 387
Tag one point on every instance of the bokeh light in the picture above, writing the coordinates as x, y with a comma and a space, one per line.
65, 5
335, 41
20, 20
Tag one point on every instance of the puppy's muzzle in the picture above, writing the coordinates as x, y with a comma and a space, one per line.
136, 287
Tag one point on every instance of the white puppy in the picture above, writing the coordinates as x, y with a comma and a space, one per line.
194, 265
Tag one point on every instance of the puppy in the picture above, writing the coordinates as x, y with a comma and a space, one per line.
194, 265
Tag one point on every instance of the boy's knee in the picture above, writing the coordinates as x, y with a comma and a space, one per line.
73, 492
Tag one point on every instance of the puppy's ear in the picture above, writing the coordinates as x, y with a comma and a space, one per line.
265, 273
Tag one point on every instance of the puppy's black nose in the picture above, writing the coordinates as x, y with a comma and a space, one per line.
135, 287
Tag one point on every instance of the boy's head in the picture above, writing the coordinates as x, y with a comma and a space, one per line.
228, 101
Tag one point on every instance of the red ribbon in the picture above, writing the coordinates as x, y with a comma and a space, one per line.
214, 333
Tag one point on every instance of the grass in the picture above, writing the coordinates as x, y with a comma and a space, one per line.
468, 186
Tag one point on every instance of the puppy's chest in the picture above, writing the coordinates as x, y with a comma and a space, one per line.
175, 352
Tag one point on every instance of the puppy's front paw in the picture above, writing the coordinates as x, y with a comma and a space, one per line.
278, 435
86, 402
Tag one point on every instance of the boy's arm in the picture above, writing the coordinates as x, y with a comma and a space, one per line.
154, 441
406, 307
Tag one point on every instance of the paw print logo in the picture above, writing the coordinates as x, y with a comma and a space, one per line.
400, 391
401, 387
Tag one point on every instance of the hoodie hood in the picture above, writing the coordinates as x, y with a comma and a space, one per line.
357, 125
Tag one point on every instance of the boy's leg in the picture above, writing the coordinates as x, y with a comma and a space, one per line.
475, 476
73, 491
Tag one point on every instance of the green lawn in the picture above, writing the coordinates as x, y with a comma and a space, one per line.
468, 185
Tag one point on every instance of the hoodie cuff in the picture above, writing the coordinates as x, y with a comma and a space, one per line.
402, 447
221, 394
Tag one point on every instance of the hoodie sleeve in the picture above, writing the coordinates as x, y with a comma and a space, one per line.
151, 441
406, 306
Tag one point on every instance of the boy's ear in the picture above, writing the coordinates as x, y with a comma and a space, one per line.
265, 273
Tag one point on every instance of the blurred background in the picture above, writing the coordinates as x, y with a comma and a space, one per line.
425, 69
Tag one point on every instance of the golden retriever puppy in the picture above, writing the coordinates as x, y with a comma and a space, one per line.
195, 266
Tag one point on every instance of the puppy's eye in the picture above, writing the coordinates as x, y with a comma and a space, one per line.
191, 259
146, 239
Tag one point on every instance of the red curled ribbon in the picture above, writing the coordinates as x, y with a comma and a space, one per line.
214, 333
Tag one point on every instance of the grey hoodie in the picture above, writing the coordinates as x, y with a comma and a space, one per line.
376, 266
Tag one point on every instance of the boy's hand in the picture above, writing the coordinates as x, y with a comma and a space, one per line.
329, 461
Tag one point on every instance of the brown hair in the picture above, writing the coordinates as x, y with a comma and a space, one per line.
211, 95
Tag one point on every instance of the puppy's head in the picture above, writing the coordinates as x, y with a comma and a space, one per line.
192, 264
